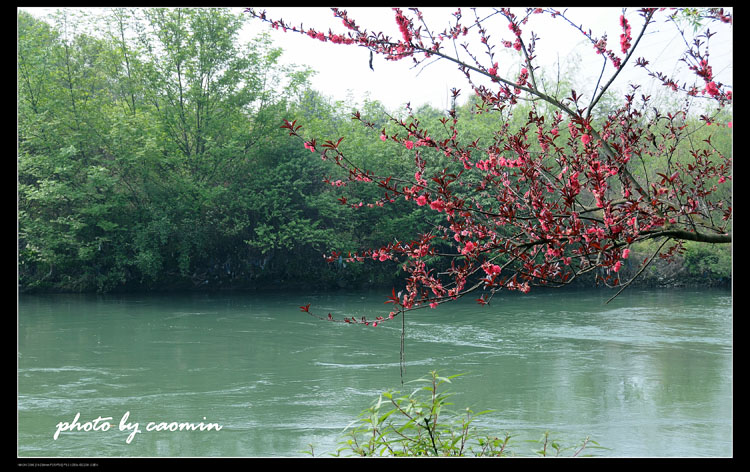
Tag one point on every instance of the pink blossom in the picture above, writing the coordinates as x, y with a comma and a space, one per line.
523, 76
437, 205
470, 246
600, 46
422, 200
625, 253
712, 89
409, 144
585, 138
492, 269
625, 36
403, 25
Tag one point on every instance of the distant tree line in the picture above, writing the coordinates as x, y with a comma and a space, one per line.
150, 157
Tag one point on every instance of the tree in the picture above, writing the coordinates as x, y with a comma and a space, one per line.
143, 149
566, 192
149, 158
72, 211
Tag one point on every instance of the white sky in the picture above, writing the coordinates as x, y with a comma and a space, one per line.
343, 71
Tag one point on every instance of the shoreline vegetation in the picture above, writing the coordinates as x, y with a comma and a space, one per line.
156, 162
662, 276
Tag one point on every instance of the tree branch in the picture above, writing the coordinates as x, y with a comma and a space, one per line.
622, 65
685, 235
639, 272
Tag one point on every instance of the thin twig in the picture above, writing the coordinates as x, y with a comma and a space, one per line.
639, 272
401, 354
624, 61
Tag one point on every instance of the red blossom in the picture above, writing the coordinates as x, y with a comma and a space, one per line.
529, 195
712, 89
625, 37
491, 269
437, 205
404, 25
469, 247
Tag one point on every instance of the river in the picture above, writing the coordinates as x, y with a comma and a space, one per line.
647, 375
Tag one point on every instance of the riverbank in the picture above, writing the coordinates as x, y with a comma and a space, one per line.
695, 266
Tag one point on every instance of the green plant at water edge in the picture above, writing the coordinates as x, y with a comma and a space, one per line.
421, 424
550, 447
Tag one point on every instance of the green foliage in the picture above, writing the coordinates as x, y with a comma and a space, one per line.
708, 261
150, 157
694, 264
422, 424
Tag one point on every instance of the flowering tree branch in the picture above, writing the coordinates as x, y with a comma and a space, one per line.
563, 195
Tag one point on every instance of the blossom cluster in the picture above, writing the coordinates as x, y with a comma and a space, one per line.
538, 204
625, 37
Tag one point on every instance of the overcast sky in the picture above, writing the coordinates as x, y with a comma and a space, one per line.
345, 68
344, 71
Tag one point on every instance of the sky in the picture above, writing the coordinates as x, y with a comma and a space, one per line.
343, 72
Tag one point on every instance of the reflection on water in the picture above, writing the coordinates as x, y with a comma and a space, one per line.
650, 374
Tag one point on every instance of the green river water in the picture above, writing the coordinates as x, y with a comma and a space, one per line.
648, 375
